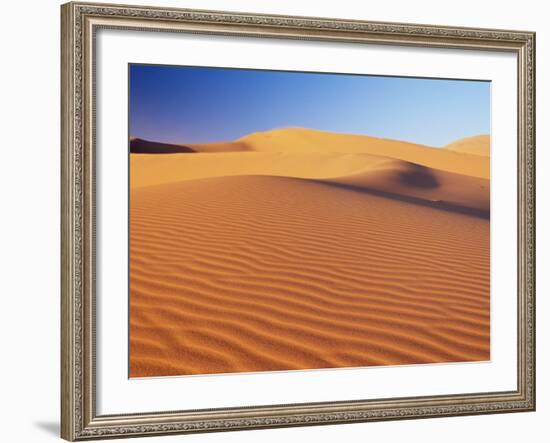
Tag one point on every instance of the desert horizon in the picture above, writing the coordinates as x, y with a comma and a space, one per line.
299, 248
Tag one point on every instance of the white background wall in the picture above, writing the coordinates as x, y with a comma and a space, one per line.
29, 221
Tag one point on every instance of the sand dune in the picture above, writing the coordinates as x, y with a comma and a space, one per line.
301, 141
365, 171
298, 249
257, 273
311, 141
141, 146
477, 145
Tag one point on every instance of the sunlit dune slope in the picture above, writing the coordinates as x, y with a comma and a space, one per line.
149, 170
253, 273
476, 145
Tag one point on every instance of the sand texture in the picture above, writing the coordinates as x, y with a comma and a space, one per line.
301, 249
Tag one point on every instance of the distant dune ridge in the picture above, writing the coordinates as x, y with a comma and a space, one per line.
303, 249
476, 145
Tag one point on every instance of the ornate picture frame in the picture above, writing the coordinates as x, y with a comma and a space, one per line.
80, 23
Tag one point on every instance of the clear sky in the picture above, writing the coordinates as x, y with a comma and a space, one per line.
200, 105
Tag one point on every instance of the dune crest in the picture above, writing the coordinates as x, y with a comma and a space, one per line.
456, 157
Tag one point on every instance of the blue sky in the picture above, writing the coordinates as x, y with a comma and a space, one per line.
200, 105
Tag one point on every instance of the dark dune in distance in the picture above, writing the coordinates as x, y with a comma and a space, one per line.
141, 146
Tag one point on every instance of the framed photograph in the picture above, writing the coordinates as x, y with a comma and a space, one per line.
284, 221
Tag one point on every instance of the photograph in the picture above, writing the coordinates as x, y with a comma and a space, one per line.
289, 220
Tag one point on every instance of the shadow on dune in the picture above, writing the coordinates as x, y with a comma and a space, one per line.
437, 204
140, 146
418, 176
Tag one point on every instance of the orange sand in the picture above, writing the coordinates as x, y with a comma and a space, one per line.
299, 249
